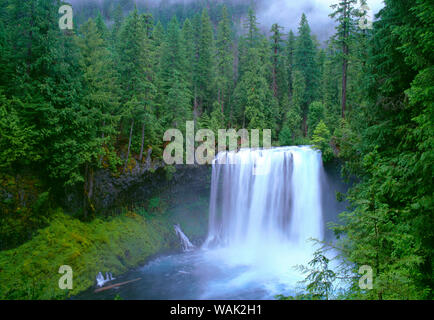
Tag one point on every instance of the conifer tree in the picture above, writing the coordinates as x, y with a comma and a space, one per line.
292, 126
135, 74
101, 26
305, 62
224, 61
276, 40
279, 73
117, 23
330, 84
290, 47
173, 78
256, 105
205, 63
100, 94
189, 50
158, 36
344, 14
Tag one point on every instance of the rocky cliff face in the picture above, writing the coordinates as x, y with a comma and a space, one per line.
142, 182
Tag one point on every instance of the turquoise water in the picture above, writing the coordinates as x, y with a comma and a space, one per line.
196, 275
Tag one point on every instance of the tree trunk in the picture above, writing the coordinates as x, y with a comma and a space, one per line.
378, 244
345, 64
230, 113
143, 142
85, 195
305, 125
148, 158
90, 185
218, 99
30, 43
102, 136
275, 70
344, 84
88, 189
116, 285
129, 145
195, 107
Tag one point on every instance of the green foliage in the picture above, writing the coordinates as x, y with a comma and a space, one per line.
291, 132
305, 62
75, 101
105, 95
118, 298
204, 68
31, 271
25, 206
255, 105
330, 85
169, 170
279, 73
319, 279
217, 120
157, 205
224, 63
289, 51
388, 145
316, 115
321, 140
17, 140
101, 90
176, 107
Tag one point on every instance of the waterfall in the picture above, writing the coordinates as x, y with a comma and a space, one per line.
266, 204
100, 278
185, 242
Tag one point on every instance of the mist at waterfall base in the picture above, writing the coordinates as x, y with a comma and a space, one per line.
265, 205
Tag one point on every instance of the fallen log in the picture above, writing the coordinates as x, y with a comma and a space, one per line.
116, 285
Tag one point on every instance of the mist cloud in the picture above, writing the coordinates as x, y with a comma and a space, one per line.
286, 13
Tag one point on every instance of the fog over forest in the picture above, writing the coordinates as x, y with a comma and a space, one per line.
286, 13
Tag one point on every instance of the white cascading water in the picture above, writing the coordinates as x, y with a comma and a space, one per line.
185, 242
265, 206
101, 281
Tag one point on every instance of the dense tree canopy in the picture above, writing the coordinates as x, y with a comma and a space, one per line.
103, 94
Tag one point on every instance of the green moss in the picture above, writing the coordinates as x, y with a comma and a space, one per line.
31, 270
24, 207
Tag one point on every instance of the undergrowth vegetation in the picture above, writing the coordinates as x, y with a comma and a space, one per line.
116, 245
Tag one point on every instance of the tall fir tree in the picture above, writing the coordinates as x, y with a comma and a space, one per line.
279, 73
174, 80
205, 64
344, 14
290, 47
189, 50
255, 105
224, 62
305, 61
135, 75
101, 91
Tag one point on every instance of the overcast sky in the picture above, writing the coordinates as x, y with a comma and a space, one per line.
288, 12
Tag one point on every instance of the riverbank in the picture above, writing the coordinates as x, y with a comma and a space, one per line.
30, 271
